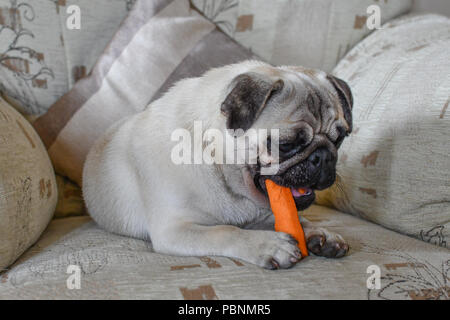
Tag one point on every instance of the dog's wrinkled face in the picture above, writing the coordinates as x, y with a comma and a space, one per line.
312, 112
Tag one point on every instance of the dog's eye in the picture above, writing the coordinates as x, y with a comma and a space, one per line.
289, 148
342, 134
286, 147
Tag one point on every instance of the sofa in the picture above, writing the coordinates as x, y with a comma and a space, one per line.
61, 88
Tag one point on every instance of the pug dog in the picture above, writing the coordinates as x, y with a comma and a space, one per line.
132, 186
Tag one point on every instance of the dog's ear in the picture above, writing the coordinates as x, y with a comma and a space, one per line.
249, 94
345, 97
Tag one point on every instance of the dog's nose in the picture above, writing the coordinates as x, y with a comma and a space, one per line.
319, 158
322, 165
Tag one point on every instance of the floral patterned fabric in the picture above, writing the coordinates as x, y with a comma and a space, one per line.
40, 58
115, 267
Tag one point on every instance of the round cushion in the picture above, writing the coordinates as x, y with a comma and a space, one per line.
28, 191
395, 167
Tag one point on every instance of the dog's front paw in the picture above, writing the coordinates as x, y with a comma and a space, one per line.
276, 250
326, 244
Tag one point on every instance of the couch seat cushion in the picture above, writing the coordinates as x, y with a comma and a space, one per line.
113, 266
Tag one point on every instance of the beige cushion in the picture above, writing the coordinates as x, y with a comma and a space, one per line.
28, 190
47, 58
312, 33
117, 267
159, 43
395, 167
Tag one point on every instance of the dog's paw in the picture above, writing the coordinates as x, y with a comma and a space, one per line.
326, 244
277, 250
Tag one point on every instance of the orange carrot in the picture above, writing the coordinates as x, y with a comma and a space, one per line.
285, 212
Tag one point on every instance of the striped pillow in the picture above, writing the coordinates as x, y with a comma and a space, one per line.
160, 42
